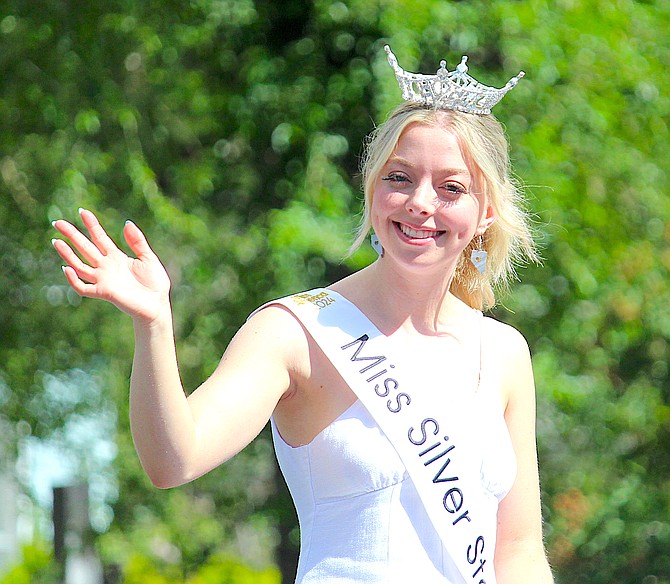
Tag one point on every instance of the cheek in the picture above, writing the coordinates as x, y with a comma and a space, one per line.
461, 220
384, 203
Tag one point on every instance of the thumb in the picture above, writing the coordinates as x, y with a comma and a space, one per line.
136, 240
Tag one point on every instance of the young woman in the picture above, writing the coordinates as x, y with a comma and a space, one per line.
403, 418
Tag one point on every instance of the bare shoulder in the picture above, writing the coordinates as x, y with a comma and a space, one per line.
507, 353
275, 319
274, 329
275, 324
505, 340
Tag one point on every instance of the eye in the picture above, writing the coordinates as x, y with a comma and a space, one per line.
455, 189
396, 177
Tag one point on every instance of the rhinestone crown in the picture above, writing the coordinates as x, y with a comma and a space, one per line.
454, 90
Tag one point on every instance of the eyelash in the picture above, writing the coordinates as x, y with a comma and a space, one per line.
461, 190
452, 187
395, 177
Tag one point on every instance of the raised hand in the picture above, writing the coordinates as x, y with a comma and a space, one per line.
138, 286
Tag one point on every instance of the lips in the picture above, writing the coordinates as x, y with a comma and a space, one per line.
414, 233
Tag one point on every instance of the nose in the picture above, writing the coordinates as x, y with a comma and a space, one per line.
421, 201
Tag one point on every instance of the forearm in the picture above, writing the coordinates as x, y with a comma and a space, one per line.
160, 417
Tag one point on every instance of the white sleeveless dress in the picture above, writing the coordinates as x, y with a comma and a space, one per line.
361, 519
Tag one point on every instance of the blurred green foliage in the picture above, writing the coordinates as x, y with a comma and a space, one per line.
230, 131
36, 566
217, 570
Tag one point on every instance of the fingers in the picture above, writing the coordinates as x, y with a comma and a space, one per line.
136, 240
98, 235
82, 275
79, 286
96, 251
82, 270
89, 251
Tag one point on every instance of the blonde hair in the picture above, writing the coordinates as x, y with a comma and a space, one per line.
509, 240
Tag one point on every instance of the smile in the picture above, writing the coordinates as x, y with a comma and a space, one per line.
417, 233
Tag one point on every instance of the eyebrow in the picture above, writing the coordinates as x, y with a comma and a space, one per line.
447, 171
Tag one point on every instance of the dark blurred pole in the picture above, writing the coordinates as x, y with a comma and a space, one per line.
73, 536
70, 517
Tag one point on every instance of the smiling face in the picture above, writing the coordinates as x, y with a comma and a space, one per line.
426, 207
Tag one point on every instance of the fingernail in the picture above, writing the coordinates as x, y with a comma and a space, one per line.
53, 223
129, 222
63, 268
81, 210
53, 241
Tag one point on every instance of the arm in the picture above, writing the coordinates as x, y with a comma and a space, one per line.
180, 438
520, 555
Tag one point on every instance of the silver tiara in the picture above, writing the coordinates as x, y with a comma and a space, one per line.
454, 90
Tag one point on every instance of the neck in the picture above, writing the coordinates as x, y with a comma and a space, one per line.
414, 302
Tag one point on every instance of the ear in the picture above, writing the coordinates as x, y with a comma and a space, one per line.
486, 221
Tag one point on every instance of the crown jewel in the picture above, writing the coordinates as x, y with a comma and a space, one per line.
454, 90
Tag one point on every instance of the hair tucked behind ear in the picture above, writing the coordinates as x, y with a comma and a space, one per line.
509, 240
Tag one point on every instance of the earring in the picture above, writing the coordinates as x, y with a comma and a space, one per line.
478, 256
376, 245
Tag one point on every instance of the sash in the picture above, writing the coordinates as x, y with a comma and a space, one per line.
432, 434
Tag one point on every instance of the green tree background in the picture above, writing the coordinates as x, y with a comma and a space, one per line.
230, 131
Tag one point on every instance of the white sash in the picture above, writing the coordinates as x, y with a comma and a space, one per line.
431, 436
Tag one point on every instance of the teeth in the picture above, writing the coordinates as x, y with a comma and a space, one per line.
414, 234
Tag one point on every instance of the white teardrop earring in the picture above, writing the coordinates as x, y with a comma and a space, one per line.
376, 245
479, 255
